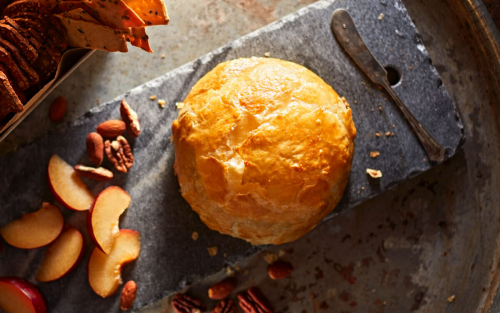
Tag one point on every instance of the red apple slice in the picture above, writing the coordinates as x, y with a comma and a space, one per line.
20, 296
35, 229
67, 187
104, 215
62, 256
105, 270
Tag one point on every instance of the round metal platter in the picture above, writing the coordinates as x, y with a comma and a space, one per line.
432, 243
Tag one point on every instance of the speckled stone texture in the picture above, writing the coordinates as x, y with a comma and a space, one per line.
169, 258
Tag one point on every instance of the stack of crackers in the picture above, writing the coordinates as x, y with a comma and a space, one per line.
35, 34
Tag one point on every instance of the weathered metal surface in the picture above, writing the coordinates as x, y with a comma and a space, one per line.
169, 259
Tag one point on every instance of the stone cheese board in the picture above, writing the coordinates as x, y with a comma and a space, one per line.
170, 260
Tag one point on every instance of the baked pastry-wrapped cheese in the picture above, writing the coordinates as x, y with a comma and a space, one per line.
263, 149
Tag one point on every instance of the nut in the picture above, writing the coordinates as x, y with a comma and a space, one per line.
111, 128
58, 109
99, 174
253, 301
279, 270
129, 293
95, 148
374, 173
187, 304
222, 289
225, 306
119, 153
130, 118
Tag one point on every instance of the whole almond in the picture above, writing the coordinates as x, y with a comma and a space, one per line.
58, 109
99, 174
95, 148
129, 293
112, 128
222, 289
279, 270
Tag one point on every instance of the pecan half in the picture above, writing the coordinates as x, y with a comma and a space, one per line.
253, 301
130, 118
99, 174
222, 289
225, 306
279, 270
128, 295
119, 153
187, 304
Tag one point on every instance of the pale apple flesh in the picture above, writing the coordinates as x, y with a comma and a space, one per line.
20, 296
62, 256
67, 187
105, 270
104, 216
35, 229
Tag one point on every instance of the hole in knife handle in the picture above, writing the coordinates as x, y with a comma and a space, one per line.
393, 75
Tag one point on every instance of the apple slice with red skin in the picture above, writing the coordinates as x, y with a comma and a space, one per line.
105, 270
104, 216
20, 296
62, 256
67, 186
35, 229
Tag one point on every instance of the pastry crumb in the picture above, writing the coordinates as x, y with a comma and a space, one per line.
267, 54
388, 134
270, 258
161, 102
152, 97
451, 299
374, 154
377, 134
212, 251
195, 236
374, 173
229, 272
179, 105
281, 253
381, 16
163, 56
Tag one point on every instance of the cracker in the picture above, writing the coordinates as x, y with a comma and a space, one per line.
139, 38
20, 79
81, 15
92, 36
9, 33
21, 61
152, 12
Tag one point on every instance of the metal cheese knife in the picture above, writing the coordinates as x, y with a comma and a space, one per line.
344, 29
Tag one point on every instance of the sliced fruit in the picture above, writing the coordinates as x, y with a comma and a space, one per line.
20, 296
104, 215
62, 256
35, 229
105, 270
67, 187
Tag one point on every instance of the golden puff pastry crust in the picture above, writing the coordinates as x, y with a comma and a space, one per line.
263, 149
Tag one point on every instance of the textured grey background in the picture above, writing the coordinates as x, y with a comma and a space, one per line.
169, 258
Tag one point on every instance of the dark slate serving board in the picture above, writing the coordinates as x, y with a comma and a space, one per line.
169, 258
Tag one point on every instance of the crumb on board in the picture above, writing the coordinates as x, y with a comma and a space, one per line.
179, 105
153, 97
281, 253
377, 134
212, 251
388, 134
98, 101
381, 16
195, 235
451, 298
374, 154
163, 56
374, 173
267, 54
161, 102
270, 258
229, 272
